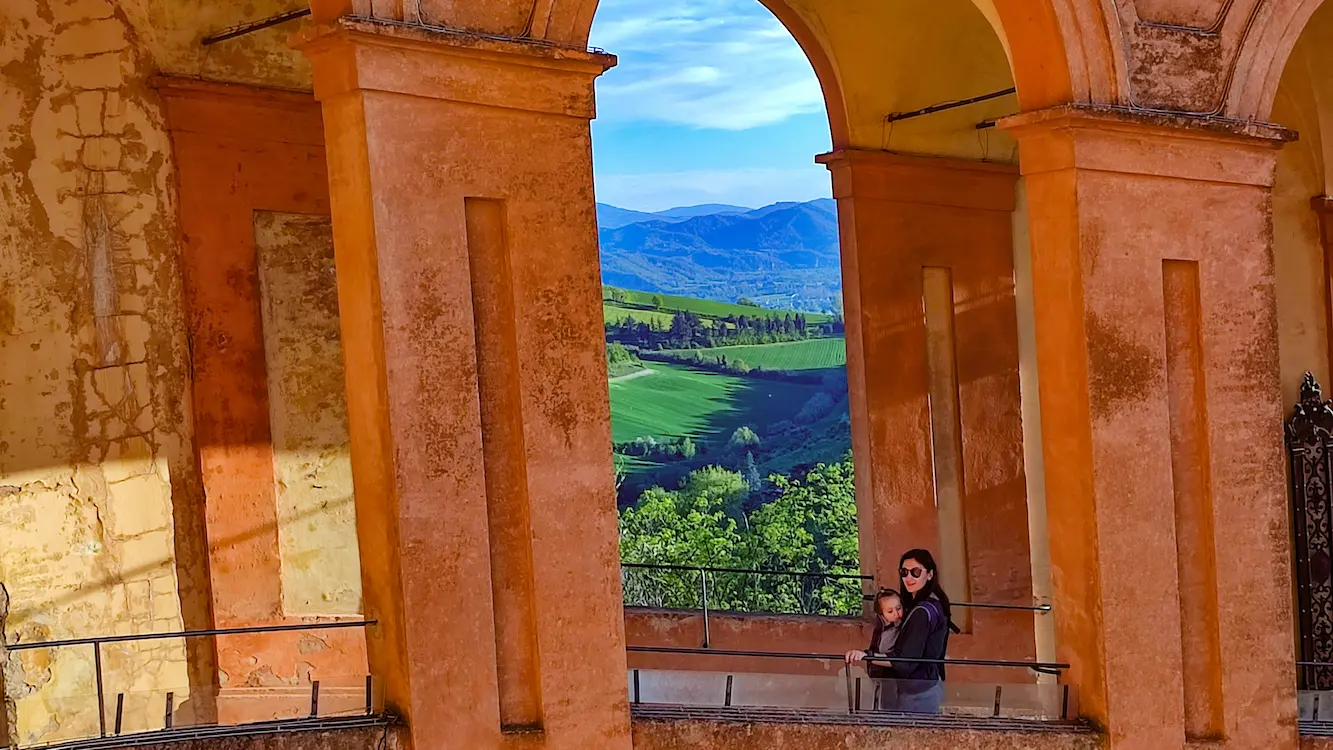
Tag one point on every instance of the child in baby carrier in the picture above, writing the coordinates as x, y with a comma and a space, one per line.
888, 623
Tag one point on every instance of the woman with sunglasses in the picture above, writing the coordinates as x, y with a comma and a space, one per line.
924, 635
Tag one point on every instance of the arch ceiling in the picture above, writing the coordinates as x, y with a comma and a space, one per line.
1304, 97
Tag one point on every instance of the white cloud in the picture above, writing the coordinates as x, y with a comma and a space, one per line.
743, 187
724, 64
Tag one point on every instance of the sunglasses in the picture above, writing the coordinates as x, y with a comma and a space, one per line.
911, 572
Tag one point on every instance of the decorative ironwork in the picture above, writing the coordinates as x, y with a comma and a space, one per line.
1309, 439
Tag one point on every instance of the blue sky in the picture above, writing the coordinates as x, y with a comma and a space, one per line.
712, 102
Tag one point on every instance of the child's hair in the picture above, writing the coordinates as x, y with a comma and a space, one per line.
886, 594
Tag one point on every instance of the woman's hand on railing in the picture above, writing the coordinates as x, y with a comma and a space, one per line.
855, 657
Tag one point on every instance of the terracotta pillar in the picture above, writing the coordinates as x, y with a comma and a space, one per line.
1156, 333
466, 243
932, 348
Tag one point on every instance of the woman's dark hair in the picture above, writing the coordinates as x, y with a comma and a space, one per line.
885, 594
932, 587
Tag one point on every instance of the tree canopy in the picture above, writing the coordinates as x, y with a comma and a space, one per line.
810, 526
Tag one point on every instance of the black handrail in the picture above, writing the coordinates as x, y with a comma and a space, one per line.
97, 641
706, 569
1039, 608
184, 634
1039, 666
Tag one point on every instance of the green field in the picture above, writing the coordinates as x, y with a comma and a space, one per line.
811, 354
677, 401
707, 307
671, 401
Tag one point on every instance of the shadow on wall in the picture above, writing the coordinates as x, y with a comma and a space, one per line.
131, 573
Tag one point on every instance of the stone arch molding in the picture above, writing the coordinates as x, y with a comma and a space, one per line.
1060, 50
1198, 57
1046, 70
1263, 59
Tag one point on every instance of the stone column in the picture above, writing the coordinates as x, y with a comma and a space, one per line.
932, 350
466, 245
1156, 334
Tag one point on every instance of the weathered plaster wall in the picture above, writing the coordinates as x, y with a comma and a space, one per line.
243, 152
362, 738
670, 734
321, 573
799, 634
1298, 268
170, 32
99, 494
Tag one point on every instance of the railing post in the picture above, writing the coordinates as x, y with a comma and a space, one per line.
101, 697
703, 590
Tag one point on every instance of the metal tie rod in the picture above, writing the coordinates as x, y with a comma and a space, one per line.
250, 28
896, 116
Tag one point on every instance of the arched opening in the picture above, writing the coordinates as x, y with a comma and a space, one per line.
1303, 101
1302, 210
933, 249
726, 359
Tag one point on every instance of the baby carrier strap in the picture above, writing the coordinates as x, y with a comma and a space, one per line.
935, 612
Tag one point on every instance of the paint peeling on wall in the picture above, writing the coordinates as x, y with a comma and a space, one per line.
321, 573
102, 505
171, 31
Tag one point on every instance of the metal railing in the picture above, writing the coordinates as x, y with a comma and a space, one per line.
809, 590
743, 589
854, 683
97, 642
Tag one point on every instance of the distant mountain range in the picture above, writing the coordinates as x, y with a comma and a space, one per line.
781, 255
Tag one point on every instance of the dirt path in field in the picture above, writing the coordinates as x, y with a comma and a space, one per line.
631, 376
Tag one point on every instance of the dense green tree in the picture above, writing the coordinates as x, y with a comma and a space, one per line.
743, 439
618, 354
809, 526
688, 449
752, 478
675, 528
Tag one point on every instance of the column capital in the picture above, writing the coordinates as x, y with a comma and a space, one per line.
357, 54
930, 180
1116, 139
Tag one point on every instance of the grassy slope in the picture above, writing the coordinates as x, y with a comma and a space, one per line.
709, 308
813, 354
678, 401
